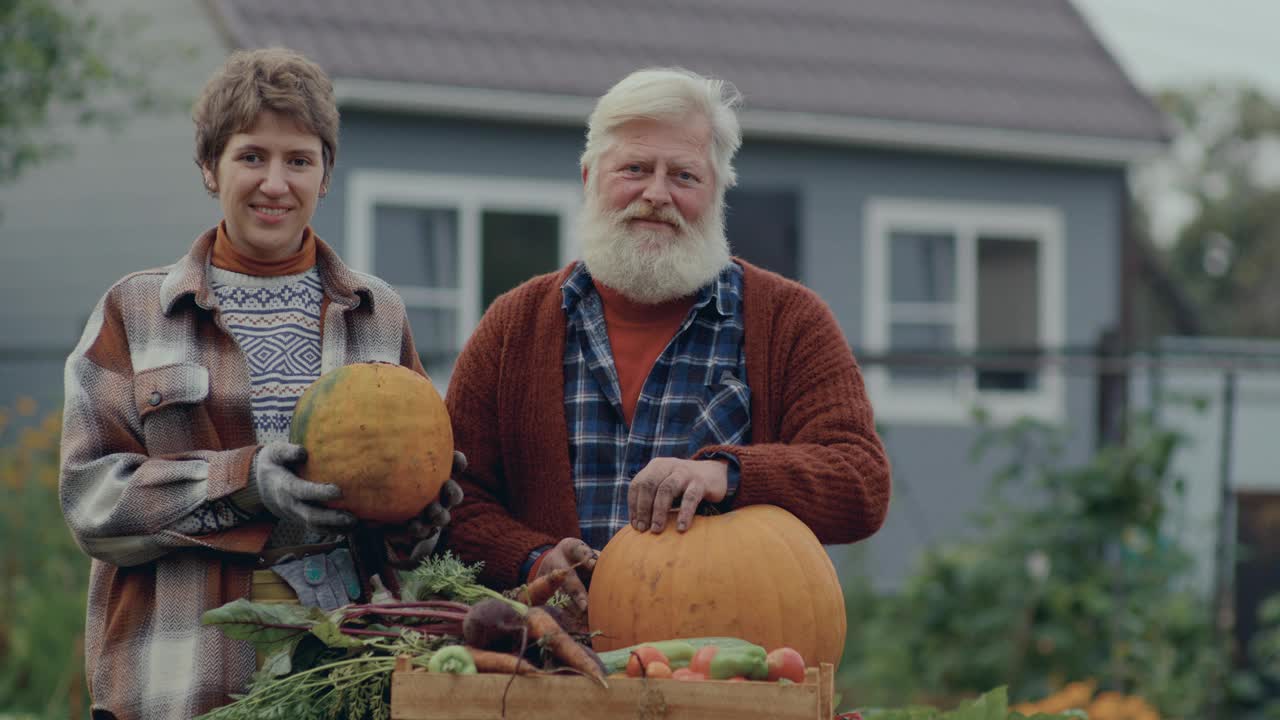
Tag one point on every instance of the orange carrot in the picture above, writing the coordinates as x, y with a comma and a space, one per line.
540, 589
544, 628
488, 661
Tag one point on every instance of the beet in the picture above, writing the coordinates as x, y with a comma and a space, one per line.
493, 624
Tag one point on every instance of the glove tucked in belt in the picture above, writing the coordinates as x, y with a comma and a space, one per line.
327, 581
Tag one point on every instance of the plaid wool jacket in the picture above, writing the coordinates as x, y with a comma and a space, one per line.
157, 424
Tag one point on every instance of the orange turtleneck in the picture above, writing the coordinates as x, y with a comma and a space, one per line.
227, 257
638, 333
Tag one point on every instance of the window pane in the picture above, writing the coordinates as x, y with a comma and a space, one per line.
1008, 308
435, 334
517, 246
416, 246
922, 267
924, 340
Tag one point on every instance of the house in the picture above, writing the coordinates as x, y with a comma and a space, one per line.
949, 175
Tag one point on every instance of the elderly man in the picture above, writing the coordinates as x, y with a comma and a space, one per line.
659, 370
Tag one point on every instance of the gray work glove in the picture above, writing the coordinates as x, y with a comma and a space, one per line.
422, 533
289, 497
326, 581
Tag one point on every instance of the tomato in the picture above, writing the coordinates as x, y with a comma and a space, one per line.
701, 662
657, 669
785, 662
643, 656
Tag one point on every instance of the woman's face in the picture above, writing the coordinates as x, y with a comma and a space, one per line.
269, 180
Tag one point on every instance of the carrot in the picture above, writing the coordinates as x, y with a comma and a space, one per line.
544, 629
489, 661
540, 589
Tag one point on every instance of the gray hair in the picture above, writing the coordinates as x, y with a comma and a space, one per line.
669, 94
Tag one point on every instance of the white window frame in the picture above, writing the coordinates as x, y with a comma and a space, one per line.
966, 222
469, 196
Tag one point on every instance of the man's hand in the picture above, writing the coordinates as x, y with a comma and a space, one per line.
423, 531
654, 490
289, 497
567, 553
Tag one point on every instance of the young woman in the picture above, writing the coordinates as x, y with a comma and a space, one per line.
176, 475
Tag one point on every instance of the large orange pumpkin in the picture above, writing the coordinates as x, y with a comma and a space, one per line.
757, 573
381, 433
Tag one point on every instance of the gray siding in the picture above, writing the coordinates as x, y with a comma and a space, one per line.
119, 203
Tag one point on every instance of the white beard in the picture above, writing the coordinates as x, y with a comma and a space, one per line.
649, 266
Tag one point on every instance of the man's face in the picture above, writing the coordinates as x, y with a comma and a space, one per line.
656, 169
652, 226
268, 181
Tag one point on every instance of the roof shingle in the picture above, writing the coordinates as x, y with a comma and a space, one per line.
1023, 65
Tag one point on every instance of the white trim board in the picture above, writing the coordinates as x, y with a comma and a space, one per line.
469, 196
967, 221
572, 110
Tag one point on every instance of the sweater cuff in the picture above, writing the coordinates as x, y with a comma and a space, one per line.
735, 472
529, 568
249, 500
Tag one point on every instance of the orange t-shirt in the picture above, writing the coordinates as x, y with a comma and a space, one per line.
638, 333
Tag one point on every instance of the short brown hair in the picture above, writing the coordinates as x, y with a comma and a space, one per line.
251, 81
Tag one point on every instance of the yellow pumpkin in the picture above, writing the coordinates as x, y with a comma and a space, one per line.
381, 433
757, 573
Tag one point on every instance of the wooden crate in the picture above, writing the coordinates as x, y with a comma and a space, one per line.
420, 695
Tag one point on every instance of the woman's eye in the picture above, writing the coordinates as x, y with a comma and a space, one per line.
251, 157
301, 161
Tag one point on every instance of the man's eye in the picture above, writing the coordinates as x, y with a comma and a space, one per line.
687, 176
301, 161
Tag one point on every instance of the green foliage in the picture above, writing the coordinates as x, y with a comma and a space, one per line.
1219, 168
993, 705
55, 55
1073, 575
43, 575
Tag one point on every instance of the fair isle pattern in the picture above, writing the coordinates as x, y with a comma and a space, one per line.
276, 322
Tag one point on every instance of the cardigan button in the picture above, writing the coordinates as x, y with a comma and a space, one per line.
155, 398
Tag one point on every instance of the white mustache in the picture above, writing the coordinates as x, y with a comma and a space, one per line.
641, 210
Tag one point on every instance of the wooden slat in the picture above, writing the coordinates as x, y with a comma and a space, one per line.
419, 695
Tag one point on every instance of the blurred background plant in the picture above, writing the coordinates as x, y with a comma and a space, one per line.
1074, 574
43, 574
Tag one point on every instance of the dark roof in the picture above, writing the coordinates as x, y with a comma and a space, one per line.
1032, 66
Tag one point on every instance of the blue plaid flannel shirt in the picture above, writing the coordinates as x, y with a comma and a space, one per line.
695, 395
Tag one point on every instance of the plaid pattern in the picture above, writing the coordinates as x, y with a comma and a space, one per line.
157, 434
695, 396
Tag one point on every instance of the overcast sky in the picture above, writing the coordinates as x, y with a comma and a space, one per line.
1176, 42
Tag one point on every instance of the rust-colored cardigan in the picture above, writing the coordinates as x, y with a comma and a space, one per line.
813, 451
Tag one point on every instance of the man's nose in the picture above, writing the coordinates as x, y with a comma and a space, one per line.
656, 191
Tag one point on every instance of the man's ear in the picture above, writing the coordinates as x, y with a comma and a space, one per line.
210, 179
584, 176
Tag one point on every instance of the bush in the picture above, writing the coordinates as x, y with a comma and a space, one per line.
43, 575
1079, 578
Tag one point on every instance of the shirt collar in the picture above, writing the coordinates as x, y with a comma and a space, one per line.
726, 290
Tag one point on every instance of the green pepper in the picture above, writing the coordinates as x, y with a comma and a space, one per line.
677, 652
452, 659
750, 662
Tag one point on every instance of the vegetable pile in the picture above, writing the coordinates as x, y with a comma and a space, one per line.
339, 663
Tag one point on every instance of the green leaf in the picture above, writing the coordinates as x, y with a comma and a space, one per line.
330, 634
267, 626
993, 705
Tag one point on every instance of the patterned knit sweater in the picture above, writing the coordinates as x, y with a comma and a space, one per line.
276, 322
